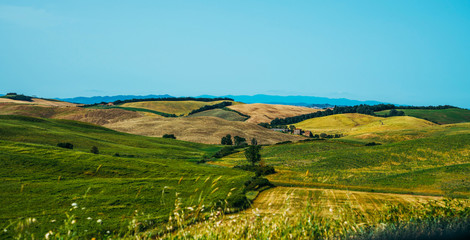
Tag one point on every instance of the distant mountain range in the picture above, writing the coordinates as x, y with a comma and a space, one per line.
98, 99
308, 101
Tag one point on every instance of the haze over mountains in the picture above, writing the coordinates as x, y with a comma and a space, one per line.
258, 98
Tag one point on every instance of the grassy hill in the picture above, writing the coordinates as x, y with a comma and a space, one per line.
171, 107
221, 113
338, 123
433, 165
42, 181
441, 116
265, 113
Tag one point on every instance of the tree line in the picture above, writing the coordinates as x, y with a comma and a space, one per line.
210, 107
362, 109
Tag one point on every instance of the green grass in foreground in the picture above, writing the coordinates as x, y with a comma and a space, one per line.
441, 116
41, 181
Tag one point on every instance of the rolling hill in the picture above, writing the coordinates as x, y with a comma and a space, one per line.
339, 123
171, 107
100, 192
265, 113
441, 116
39, 101
434, 165
200, 129
221, 113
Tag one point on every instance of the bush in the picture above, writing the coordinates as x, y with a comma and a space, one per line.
225, 151
65, 145
256, 183
238, 201
259, 170
372, 144
172, 136
94, 150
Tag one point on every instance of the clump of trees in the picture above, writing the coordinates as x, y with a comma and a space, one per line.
210, 107
65, 145
19, 97
172, 136
227, 140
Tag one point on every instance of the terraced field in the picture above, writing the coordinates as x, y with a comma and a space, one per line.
441, 116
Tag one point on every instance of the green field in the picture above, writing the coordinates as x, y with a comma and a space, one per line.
221, 113
433, 166
147, 182
441, 116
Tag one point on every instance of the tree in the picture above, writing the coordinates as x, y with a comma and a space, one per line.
94, 150
239, 141
252, 154
65, 145
254, 141
172, 136
227, 140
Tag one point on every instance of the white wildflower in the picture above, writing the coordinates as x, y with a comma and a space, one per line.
89, 218
5, 230
108, 232
99, 221
331, 209
48, 234
190, 208
73, 221
53, 220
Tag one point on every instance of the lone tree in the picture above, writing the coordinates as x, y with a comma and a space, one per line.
94, 150
254, 141
172, 136
227, 140
252, 154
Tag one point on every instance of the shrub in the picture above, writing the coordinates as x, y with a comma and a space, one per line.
259, 170
372, 144
256, 183
225, 151
94, 150
172, 136
238, 201
65, 145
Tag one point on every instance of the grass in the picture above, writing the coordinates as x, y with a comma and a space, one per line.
432, 166
170, 107
338, 123
332, 214
441, 116
41, 181
220, 113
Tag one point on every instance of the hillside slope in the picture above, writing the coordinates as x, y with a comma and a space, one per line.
220, 113
171, 107
200, 129
265, 113
441, 116
39, 101
339, 123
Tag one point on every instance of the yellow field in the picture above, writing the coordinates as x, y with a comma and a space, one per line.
172, 107
265, 113
338, 123
200, 129
362, 126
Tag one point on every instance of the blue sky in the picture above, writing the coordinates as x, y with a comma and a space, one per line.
405, 52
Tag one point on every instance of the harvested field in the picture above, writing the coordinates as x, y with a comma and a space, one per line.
40, 101
96, 116
200, 129
171, 107
265, 113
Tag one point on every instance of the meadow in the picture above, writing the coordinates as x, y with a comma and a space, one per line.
429, 166
101, 193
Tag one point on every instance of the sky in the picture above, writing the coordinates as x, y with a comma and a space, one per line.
403, 52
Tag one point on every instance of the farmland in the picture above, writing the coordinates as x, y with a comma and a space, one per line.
171, 107
441, 116
265, 113
221, 113
42, 181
